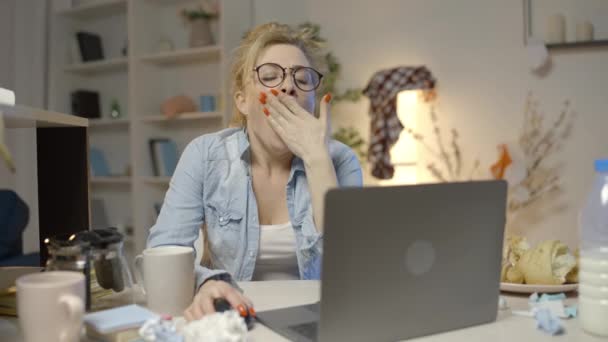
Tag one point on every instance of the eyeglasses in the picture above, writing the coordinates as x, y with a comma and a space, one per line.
272, 75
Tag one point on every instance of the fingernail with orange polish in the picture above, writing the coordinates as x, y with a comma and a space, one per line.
242, 310
251, 312
266, 111
274, 92
262, 100
327, 98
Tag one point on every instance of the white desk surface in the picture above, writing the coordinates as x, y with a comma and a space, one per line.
507, 328
277, 294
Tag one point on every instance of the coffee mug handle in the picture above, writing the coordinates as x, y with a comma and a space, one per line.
139, 274
75, 309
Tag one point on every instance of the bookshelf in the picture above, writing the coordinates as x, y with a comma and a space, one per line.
183, 56
183, 117
110, 180
108, 123
89, 68
94, 9
139, 79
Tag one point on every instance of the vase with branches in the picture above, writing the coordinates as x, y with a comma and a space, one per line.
536, 175
528, 166
446, 163
200, 20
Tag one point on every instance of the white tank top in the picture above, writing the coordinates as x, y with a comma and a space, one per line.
276, 258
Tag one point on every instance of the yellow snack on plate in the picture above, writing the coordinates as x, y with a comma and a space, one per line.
511, 274
572, 276
547, 264
514, 248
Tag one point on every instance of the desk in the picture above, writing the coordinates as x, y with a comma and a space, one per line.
508, 328
63, 169
270, 295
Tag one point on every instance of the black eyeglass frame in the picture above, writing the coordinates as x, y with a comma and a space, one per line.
293, 75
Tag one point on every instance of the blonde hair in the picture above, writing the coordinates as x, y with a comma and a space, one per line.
258, 39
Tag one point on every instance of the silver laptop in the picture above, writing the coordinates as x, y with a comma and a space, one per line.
402, 262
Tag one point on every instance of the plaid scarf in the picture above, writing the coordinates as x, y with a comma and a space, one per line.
382, 91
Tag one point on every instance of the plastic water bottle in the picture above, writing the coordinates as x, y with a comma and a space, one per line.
593, 272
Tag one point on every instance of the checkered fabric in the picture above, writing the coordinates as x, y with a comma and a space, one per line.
382, 91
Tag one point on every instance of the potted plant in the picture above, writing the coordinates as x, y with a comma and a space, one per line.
200, 21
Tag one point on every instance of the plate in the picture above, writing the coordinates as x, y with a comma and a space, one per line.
528, 288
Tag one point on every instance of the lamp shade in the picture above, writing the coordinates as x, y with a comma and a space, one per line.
382, 91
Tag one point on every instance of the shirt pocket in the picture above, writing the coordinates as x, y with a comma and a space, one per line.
224, 231
221, 217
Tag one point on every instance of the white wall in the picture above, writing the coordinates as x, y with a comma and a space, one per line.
287, 12
475, 49
6, 70
22, 67
6, 37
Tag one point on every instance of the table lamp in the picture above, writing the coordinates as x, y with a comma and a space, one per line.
383, 90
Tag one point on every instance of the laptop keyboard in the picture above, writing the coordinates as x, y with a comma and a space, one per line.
308, 330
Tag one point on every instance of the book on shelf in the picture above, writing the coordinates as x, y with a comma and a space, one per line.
164, 156
99, 164
85, 103
90, 46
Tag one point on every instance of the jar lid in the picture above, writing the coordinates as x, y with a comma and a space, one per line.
83, 241
67, 245
102, 238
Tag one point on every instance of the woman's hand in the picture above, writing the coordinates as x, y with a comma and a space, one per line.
307, 137
203, 301
304, 134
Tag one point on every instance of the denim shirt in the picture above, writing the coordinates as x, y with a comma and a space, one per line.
212, 184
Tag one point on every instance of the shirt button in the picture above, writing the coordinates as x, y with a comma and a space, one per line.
251, 254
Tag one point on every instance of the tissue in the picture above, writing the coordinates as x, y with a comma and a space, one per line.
226, 326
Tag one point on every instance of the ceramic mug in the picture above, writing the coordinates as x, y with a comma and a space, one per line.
50, 306
166, 274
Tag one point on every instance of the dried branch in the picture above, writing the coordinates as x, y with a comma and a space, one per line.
436, 172
456, 150
538, 145
420, 139
474, 168
445, 158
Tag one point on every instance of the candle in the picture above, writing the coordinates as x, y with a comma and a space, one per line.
556, 29
584, 31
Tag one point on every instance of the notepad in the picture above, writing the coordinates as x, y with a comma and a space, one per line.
122, 318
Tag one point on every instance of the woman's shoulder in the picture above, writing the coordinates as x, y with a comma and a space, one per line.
222, 144
340, 152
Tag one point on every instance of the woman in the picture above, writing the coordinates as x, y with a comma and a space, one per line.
258, 189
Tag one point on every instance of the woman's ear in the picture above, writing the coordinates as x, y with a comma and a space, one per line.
241, 102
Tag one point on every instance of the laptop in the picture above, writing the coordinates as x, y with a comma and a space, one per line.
402, 262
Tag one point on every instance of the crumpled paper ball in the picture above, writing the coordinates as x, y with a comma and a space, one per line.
225, 326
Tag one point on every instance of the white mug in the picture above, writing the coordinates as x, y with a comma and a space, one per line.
167, 278
50, 306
